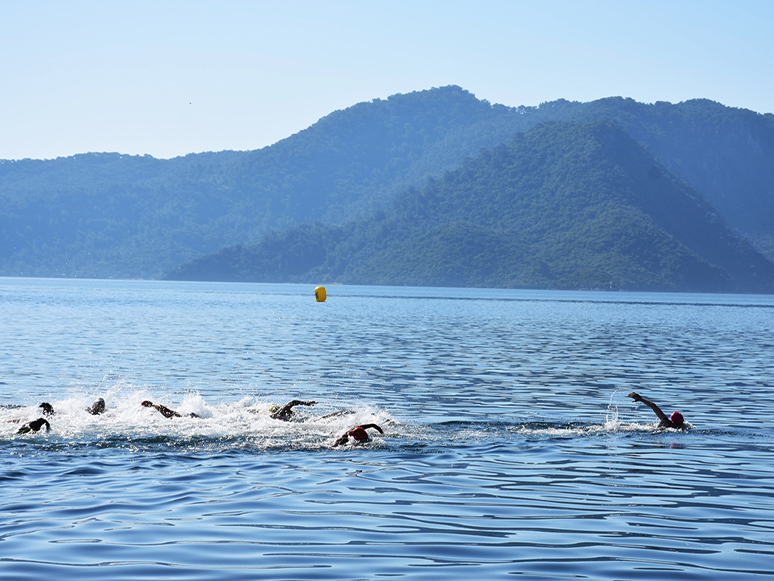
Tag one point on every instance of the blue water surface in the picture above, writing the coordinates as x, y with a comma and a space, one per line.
509, 446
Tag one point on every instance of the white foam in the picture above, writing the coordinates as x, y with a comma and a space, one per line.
125, 417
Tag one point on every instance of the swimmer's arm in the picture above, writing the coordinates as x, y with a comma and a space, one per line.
374, 426
661, 415
287, 409
296, 402
337, 413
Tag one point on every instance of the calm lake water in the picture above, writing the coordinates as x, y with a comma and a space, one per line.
510, 449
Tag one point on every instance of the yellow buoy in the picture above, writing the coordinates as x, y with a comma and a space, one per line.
319, 293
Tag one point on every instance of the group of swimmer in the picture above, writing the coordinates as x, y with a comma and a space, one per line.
358, 434
48, 410
285, 413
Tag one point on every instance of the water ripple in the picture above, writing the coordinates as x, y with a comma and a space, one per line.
509, 447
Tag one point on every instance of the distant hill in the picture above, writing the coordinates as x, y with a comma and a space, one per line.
726, 154
565, 206
110, 215
113, 216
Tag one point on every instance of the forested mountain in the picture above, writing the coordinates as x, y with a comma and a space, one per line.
111, 215
726, 154
566, 205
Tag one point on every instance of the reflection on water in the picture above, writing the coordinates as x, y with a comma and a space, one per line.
510, 447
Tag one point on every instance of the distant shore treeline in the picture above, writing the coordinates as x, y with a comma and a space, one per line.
428, 188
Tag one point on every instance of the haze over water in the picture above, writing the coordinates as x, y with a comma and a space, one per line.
509, 446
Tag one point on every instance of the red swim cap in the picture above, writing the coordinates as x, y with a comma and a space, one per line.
676, 418
359, 434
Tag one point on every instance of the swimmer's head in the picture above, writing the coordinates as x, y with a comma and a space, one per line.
97, 407
676, 418
274, 408
47, 409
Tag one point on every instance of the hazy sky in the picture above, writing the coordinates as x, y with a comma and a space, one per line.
174, 77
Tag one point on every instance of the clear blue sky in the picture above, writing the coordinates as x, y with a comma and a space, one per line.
174, 77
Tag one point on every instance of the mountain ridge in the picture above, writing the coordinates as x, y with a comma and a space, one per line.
111, 215
566, 205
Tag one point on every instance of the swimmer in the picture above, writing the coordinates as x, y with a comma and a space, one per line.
358, 433
45, 408
165, 411
676, 420
97, 407
286, 412
34, 426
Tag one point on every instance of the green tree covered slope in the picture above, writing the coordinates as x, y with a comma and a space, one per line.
566, 205
111, 215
